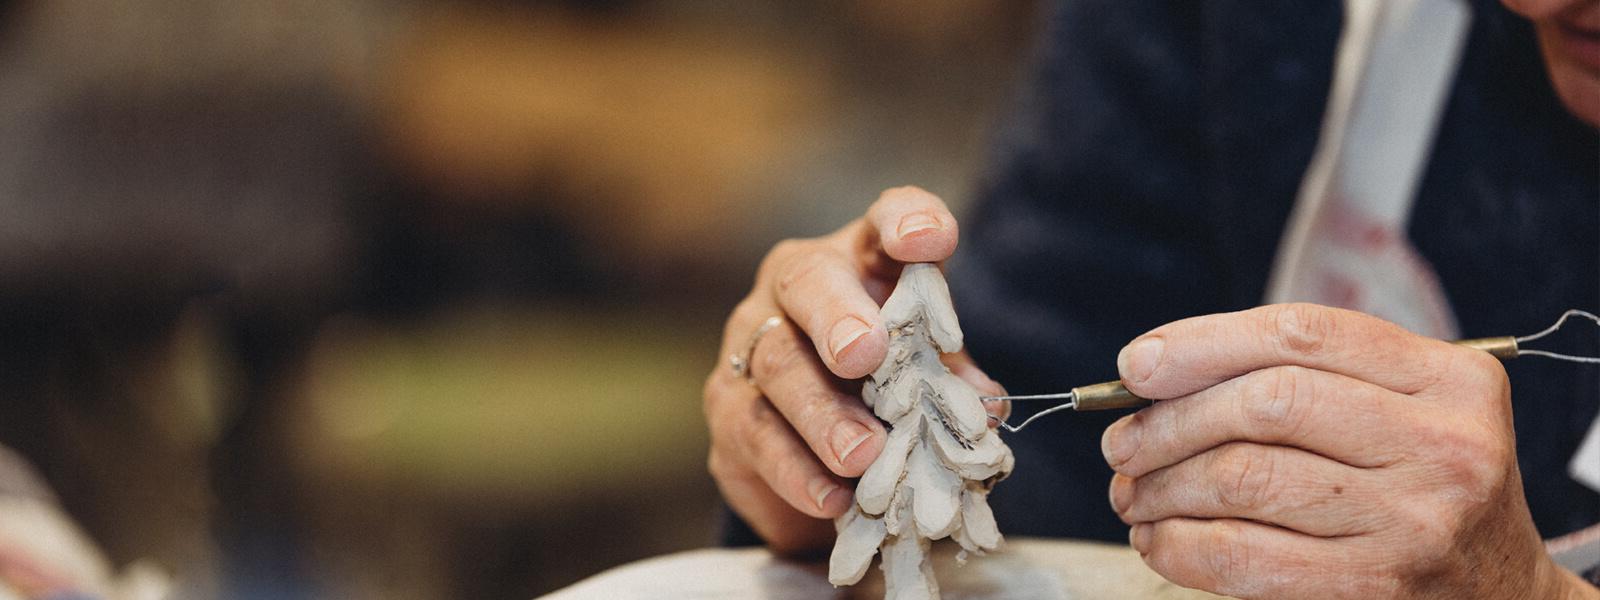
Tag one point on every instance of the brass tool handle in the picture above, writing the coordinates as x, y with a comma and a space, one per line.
1106, 396
1503, 348
1112, 394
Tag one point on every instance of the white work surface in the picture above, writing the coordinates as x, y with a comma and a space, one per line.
1026, 569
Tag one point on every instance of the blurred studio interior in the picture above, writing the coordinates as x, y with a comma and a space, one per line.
414, 299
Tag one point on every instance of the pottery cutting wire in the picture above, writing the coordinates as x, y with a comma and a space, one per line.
1112, 394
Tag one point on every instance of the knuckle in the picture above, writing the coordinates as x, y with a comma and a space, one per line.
1468, 463
719, 406
1244, 476
1281, 399
711, 395
1303, 329
1428, 541
724, 459
744, 317
717, 465
815, 411
757, 430
801, 265
745, 310
1230, 564
1483, 376
780, 353
1430, 374
1162, 561
788, 477
780, 252
1163, 558
778, 259
1476, 468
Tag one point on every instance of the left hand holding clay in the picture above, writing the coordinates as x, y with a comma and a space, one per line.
1301, 451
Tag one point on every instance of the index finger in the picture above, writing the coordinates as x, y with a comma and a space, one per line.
1190, 355
906, 225
833, 294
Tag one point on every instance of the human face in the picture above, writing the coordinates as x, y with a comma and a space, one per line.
1569, 37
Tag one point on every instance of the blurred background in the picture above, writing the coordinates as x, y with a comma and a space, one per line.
414, 299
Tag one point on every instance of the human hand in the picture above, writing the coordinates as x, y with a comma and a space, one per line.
784, 442
1300, 451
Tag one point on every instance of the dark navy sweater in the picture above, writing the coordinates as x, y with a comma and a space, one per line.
1148, 176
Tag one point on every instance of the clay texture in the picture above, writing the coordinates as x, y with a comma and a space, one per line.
933, 478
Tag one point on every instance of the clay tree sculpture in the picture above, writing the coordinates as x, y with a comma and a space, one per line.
933, 478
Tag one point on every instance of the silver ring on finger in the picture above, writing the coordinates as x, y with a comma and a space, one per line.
741, 362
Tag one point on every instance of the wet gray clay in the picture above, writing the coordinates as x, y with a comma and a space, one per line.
933, 478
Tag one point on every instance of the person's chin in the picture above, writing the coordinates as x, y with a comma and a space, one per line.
1573, 58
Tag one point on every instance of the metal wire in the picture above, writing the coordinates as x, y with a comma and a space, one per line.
1588, 360
1559, 322
1071, 403
1057, 396
1591, 360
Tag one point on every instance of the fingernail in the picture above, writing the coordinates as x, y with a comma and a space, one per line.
1139, 538
915, 222
844, 333
820, 489
1121, 493
1137, 361
1120, 441
846, 437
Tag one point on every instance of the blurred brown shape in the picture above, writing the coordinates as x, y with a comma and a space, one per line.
655, 130
188, 191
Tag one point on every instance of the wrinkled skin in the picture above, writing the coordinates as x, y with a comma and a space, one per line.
784, 444
1300, 451
1297, 451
